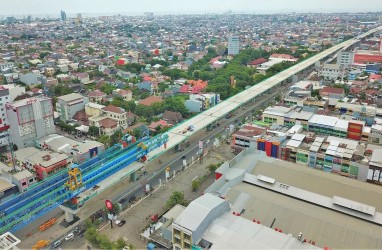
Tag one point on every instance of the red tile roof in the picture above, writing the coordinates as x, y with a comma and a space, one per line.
283, 56
362, 58
332, 90
160, 123
257, 61
107, 123
124, 91
147, 78
375, 77
150, 100
96, 93
113, 109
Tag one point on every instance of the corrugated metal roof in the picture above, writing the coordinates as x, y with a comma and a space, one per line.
298, 137
329, 121
197, 211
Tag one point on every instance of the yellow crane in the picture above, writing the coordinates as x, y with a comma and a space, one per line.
75, 178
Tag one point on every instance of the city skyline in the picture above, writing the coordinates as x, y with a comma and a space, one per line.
48, 7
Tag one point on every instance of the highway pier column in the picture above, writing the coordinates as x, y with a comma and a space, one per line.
69, 213
133, 176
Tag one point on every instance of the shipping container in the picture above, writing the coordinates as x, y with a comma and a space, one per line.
268, 148
275, 149
261, 144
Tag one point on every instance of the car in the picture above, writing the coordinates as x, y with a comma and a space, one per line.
144, 173
76, 230
126, 248
56, 244
69, 237
120, 223
132, 199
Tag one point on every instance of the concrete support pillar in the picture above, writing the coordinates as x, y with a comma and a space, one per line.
132, 176
294, 78
69, 213
68, 216
317, 65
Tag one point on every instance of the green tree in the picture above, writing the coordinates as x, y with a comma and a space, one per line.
61, 89
176, 197
107, 88
195, 184
102, 241
362, 96
93, 131
104, 139
212, 168
144, 94
162, 87
114, 138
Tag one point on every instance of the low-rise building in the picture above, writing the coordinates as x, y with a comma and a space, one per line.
246, 137
333, 93
252, 177
125, 94
150, 100
7, 189
68, 105
22, 179
42, 163
96, 95
331, 71
79, 151
93, 109
200, 102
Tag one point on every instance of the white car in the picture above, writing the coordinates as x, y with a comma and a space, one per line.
69, 237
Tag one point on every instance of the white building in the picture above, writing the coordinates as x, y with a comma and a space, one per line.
345, 58
331, 71
233, 45
8, 93
30, 119
68, 105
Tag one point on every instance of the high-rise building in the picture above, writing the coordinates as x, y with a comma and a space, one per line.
233, 45
63, 15
30, 119
79, 18
345, 58
8, 93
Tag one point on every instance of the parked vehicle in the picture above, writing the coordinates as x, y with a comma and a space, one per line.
56, 244
120, 223
69, 237
132, 199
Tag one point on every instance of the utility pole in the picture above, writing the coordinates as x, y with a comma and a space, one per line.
10, 145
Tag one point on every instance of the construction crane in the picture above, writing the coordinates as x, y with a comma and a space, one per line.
75, 178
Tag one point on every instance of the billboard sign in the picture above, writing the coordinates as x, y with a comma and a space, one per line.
109, 204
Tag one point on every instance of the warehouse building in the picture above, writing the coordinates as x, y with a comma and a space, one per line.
325, 210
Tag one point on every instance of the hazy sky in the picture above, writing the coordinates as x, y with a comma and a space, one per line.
53, 7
